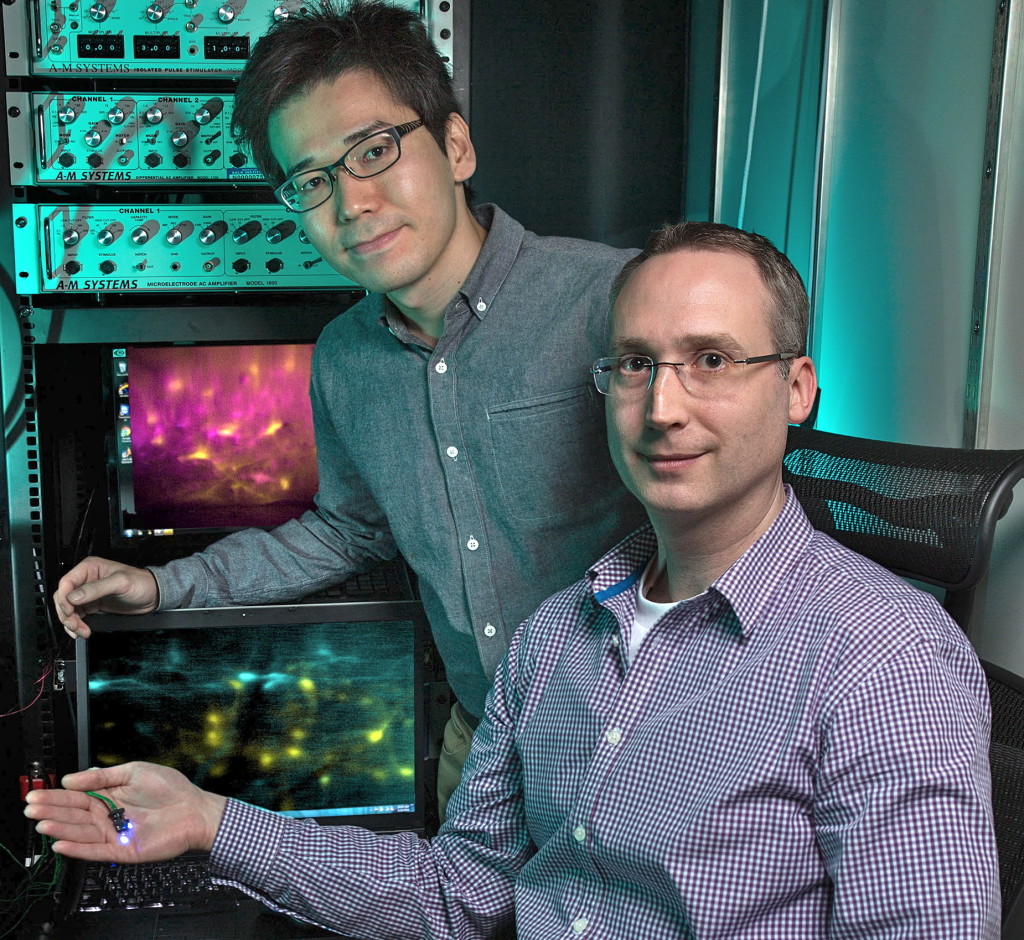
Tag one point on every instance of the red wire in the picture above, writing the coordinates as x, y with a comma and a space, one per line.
39, 682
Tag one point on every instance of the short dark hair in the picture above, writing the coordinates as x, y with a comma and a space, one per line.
789, 311
326, 39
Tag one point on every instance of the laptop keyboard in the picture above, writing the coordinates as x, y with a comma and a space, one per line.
183, 883
387, 582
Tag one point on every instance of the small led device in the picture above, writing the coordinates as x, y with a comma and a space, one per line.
122, 826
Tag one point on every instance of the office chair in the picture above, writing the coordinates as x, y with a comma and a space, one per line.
929, 514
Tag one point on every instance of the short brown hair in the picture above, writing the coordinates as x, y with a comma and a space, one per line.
326, 39
788, 316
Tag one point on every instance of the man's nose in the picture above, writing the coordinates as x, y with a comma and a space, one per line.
669, 400
353, 197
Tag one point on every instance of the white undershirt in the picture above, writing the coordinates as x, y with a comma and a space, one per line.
648, 612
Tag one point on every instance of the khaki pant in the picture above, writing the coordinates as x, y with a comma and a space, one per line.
458, 735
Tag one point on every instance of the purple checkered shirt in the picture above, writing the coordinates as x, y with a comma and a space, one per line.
800, 752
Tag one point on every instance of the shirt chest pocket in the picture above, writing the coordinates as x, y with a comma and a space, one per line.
551, 455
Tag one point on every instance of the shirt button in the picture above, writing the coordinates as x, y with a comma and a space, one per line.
490, 630
613, 736
441, 367
452, 452
472, 544
579, 834
615, 642
481, 306
579, 925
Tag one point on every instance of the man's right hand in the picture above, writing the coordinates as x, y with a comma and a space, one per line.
96, 584
168, 814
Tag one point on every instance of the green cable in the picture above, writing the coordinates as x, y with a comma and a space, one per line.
106, 799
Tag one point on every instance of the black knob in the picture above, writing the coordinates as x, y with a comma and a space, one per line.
274, 265
107, 267
152, 160
66, 159
280, 231
240, 266
212, 232
246, 232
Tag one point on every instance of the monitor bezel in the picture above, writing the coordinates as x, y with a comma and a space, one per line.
211, 618
194, 537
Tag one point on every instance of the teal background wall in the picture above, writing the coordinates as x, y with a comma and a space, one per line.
853, 134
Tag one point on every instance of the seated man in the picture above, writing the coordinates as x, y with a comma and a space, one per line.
731, 727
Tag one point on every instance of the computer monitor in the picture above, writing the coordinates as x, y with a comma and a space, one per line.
208, 438
313, 710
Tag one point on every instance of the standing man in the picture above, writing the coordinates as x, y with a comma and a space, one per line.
453, 419
732, 728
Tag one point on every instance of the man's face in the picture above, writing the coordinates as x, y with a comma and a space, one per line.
390, 233
698, 459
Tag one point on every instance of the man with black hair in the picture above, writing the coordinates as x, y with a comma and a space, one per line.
453, 421
732, 728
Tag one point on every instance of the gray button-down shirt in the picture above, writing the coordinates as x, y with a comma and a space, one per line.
484, 460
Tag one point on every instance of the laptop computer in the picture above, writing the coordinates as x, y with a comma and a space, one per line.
312, 710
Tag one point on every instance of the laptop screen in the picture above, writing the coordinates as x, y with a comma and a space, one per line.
309, 710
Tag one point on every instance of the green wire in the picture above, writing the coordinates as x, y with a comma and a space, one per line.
106, 799
35, 887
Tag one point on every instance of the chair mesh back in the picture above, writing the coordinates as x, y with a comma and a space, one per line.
1006, 758
924, 512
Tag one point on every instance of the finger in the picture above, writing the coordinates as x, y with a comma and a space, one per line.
98, 778
90, 851
82, 833
75, 626
59, 815
46, 800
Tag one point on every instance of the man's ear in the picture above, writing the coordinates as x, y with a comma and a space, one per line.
459, 145
803, 386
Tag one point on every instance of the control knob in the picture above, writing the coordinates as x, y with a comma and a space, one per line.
180, 232
67, 114
213, 232
180, 138
99, 12
209, 111
72, 237
110, 234
280, 232
116, 115
155, 12
154, 115
94, 138
246, 232
145, 232
226, 13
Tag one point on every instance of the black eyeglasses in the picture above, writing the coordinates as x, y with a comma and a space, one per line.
705, 374
365, 158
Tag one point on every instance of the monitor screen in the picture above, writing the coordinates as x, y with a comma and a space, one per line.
293, 709
209, 438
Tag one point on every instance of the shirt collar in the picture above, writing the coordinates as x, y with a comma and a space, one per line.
497, 255
747, 586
